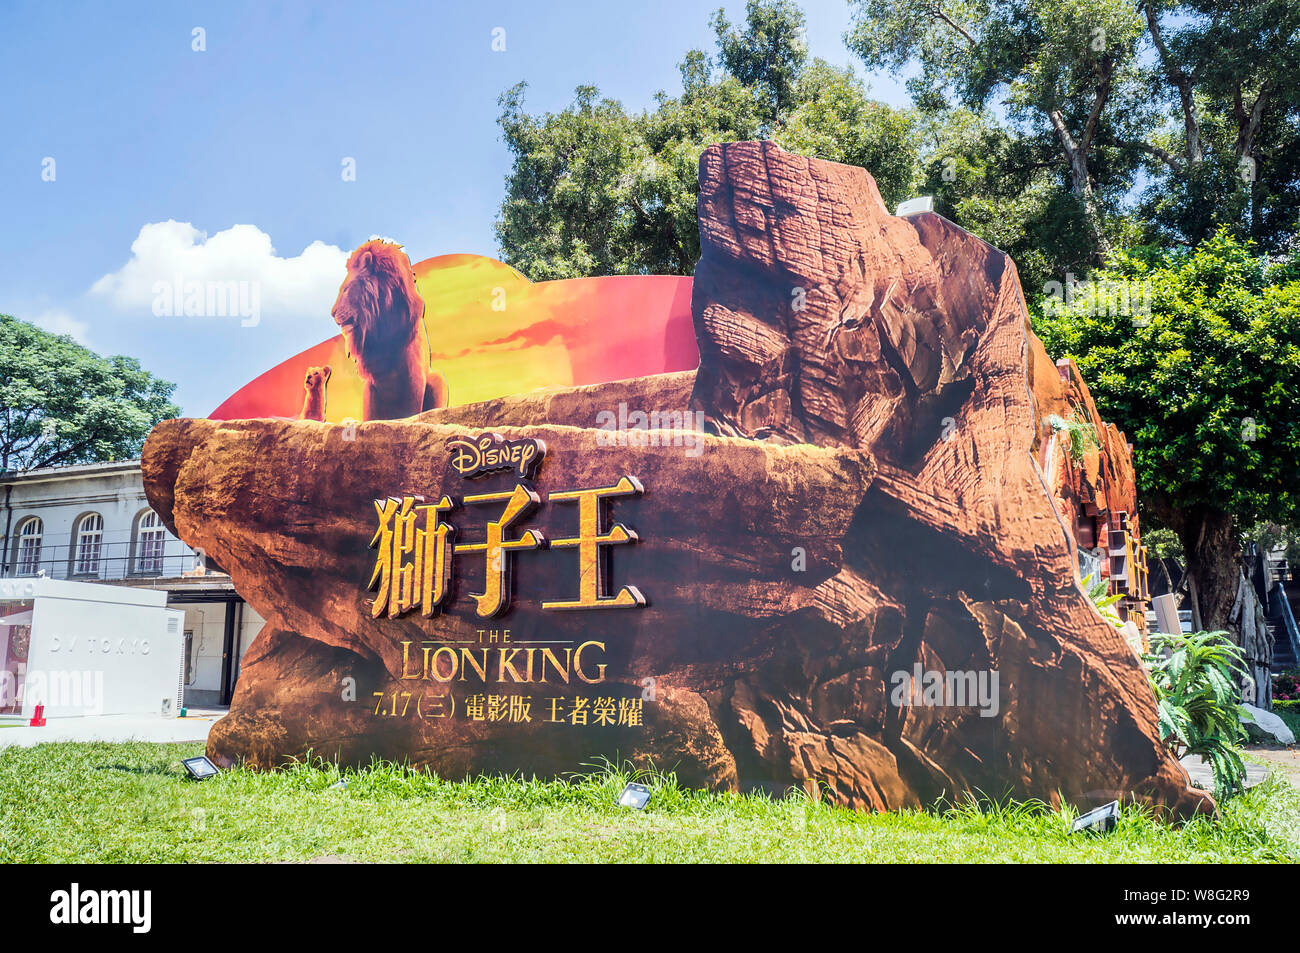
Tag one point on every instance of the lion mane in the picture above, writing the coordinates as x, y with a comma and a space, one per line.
380, 314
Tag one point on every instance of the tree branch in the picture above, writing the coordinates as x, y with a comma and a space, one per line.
1182, 82
53, 458
1063, 131
936, 12
1167, 158
1081, 183
1107, 69
1246, 133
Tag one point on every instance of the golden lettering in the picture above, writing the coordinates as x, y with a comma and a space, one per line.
415, 549
495, 597
562, 671
577, 664
425, 579
467, 662
507, 664
433, 666
406, 648
590, 539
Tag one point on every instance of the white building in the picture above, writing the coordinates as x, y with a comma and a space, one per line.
93, 523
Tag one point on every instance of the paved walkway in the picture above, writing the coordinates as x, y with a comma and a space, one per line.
1283, 759
194, 727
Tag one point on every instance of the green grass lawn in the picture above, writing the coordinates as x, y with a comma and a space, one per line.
114, 803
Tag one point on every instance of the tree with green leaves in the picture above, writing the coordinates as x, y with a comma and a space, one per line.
1229, 73
836, 120
1003, 188
1204, 388
1199, 99
1056, 68
766, 56
596, 190
1063, 132
61, 403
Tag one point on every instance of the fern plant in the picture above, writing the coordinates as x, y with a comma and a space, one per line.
1196, 679
1104, 601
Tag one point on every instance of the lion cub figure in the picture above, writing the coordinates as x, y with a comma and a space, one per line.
381, 316
313, 405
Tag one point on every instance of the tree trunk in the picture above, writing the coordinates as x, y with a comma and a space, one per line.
1076, 155
1169, 581
1257, 689
1214, 566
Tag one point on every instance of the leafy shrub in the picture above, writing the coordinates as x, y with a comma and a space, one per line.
1289, 712
1080, 433
1197, 690
1286, 686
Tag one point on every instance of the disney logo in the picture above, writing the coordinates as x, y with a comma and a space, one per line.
474, 456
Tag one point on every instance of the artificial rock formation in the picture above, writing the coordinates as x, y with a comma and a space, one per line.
879, 499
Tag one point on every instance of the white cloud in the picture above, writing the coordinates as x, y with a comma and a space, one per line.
58, 321
174, 252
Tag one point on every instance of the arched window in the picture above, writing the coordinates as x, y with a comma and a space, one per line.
29, 546
90, 538
151, 539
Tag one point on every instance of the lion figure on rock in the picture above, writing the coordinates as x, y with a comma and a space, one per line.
380, 314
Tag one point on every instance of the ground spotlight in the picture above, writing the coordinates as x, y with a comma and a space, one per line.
200, 768
1101, 819
635, 796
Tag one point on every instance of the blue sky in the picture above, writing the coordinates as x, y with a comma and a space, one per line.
253, 131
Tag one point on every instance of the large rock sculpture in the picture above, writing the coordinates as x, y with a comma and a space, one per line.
861, 582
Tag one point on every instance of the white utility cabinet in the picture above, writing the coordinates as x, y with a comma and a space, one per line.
83, 648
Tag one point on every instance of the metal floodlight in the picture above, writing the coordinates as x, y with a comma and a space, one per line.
1101, 819
635, 796
200, 768
922, 203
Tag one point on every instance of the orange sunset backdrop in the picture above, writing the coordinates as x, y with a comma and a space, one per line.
492, 332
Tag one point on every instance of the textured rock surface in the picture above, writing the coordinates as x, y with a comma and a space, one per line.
881, 496
287, 506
